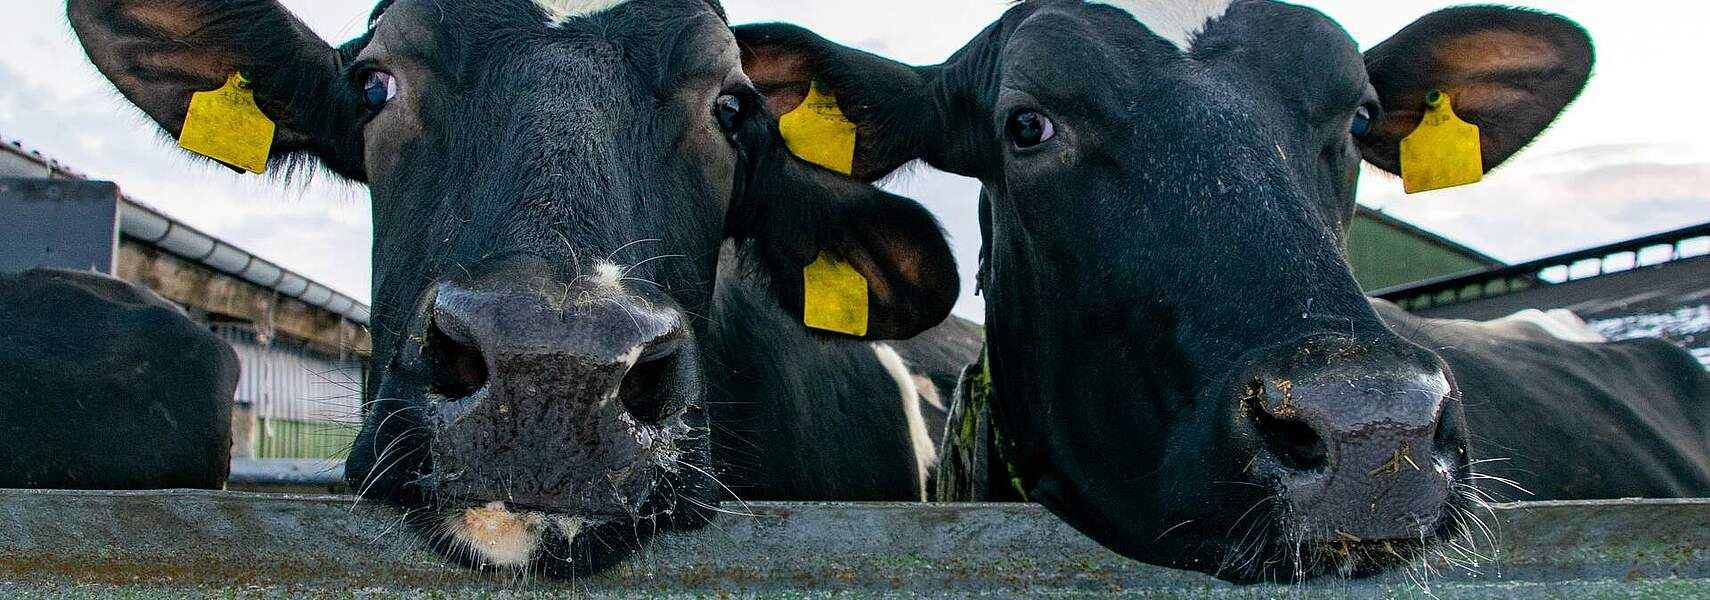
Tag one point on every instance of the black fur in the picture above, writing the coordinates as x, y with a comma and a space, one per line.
105, 385
516, 157
1181, 237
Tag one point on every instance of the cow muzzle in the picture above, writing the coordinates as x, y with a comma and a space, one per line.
563, 399
1351, 435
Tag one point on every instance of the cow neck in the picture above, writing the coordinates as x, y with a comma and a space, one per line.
980, 398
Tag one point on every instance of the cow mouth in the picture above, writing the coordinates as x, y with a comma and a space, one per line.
1461, 540
537, 537
502, 537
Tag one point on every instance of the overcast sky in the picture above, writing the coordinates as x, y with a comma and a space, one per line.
1631, 157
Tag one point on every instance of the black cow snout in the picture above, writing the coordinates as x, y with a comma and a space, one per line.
558, 397
1351, 434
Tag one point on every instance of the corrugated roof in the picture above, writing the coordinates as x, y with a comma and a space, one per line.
150, 226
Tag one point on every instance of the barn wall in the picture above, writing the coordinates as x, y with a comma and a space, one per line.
1384, 255
201, 288
294, 400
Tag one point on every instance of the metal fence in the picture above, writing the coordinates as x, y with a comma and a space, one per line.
294, 400
1645, 252
1652, 287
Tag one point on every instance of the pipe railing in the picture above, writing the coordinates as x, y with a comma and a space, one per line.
153, 227
1642, 253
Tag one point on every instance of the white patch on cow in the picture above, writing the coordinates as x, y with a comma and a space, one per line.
559, 12
570, 527
607, 275
1437, 385
929, 392
925, 454
1175, 20
495, 536
1562, 324
628, 359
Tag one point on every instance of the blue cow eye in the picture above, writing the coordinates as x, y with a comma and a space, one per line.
1029, 128
378, 88
1362, 122
730, 112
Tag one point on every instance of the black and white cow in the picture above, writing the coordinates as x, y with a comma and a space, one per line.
106, 385
563, 363
1180, 363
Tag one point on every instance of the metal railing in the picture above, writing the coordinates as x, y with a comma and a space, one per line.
1642, 253
298, 402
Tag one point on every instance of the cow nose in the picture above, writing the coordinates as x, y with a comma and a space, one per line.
1353, 434
557, 398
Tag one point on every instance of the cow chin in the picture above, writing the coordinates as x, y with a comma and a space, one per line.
1287, 557
570, 529
501, 537
1265, 541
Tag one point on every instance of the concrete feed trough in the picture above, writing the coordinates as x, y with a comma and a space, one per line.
174, 543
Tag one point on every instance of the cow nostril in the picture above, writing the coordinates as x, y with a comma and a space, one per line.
645, 393
1296, 445
458, 369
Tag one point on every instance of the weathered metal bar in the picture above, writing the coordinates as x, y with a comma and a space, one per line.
304, 475
190, 541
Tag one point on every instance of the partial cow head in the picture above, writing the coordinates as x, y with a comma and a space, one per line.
552, 181
1185, 364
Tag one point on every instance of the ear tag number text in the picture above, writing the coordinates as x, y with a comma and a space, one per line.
818, 132
227, 126
1443, 152
836, 296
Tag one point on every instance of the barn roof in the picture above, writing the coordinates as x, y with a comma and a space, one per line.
156, 229
1429, 237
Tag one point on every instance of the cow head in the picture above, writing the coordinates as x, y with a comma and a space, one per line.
1184, 363
551, 182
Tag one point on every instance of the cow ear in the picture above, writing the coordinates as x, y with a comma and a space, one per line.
1509, 71
813, 231
160, 52
885, 100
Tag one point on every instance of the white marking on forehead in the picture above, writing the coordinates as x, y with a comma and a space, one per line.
925, 453
559, 12
1175, 20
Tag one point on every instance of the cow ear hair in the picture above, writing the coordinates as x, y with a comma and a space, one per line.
885, 99
160, 52
792, 213
1509, 71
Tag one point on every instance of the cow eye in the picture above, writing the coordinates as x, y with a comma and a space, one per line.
1028, 128
731, 111
1362, 122
378, 88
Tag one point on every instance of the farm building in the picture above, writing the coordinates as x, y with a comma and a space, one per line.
301, 344
1386, 251
1657, 286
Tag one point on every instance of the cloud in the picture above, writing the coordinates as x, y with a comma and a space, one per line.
1561, 202
1600, 175
318, 227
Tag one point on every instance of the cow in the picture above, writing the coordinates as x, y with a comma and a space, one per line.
105, 385
591, 257
1179, 362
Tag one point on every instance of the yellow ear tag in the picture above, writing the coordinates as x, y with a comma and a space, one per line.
1443, 152
836, 296
227, 126
818, 132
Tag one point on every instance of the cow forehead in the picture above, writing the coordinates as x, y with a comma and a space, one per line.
560, 11
1175, 20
